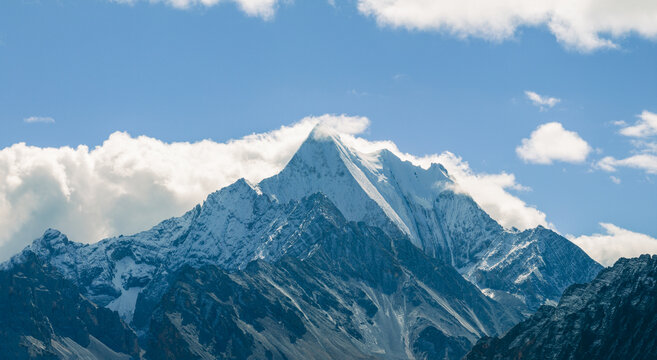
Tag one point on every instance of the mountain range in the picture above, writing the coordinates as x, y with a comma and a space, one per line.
341, 253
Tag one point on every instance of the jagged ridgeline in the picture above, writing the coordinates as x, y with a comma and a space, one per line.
363, 255
612, 317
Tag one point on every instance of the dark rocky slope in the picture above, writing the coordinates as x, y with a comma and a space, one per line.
357, 294
43, 316
612, 317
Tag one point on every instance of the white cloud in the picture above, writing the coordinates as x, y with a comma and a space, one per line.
645, 148
490, 191
615, 180
585, 25
128, 184
646, 126
542, 102
616, 243
39, 119
645, 162
260, 8
551, 142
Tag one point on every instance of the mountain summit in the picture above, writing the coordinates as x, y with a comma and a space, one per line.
382, 190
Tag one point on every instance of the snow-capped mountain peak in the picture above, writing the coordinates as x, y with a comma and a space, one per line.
365, 187
52, 240
380, 189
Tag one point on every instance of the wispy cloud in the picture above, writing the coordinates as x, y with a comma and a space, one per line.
259, 8
615, 243
39, 119
644, 154
645, 162
355, 92
543, 102
551, 142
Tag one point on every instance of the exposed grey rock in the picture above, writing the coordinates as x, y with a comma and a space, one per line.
43, 315
612, 317
357, 294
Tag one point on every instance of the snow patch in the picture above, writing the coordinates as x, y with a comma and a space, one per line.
125, 269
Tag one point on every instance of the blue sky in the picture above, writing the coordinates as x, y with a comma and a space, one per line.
96, 67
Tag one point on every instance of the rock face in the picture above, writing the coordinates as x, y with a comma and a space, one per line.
44, 316
612, 317
356, 294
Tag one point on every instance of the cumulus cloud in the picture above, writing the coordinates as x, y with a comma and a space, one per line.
584, 25
614, 244
491, 192
644, 127
551, 142
543, 102
260, 8
128, 184
38, 119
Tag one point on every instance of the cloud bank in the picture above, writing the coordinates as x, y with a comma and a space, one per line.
584, 25
551, 142
128, 184
614, 244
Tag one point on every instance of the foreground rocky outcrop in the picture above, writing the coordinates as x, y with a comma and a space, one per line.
612, 317
43, 315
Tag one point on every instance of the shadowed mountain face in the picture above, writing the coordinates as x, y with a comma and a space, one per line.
44, 316
612, 317
357, 294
